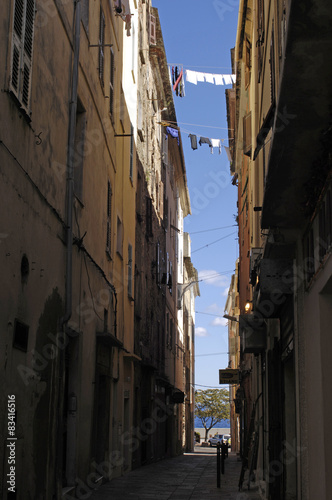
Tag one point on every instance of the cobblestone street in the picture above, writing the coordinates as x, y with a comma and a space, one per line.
190, 476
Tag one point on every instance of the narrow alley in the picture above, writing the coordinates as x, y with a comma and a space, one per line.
189, 476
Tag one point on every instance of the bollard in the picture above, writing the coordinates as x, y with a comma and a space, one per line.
223, 453
218, 465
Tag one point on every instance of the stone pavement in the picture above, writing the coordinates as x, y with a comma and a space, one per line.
190, 476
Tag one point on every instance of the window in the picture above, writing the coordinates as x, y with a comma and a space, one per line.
79, 149
148, 217
140, 130
153, 35
130, 270
85, 13
247, 134
260, 36
21, 336
22, 45
131, 164
119, 233
109, 215
111, 81
272, 67
248, 62
101, 46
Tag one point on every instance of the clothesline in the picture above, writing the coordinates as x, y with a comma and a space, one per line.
200, 125
212, 143
191, 66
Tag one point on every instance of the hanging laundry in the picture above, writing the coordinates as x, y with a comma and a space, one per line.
216, 143
122, 8
191, 76
205, 140
200, 77
219, 79
233, 78
173, 132
193, 141
228, 79
209, 78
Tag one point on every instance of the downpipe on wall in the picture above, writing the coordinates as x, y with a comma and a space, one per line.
69, 241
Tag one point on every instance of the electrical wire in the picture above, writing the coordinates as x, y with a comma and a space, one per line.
212, 229
213, 242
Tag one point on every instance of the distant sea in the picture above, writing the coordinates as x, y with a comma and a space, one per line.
221, 424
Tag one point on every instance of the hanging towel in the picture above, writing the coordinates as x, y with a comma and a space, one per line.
216, 144
209, 78
228, 79
219, 79
200, 76
193, 141
178, 80
205, 140
228, 153
173, 132
191, 76
233, 78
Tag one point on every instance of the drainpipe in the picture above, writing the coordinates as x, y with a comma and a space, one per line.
69, 237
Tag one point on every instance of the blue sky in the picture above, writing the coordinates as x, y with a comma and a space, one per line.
199, 35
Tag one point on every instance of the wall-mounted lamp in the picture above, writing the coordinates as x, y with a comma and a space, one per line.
247, 307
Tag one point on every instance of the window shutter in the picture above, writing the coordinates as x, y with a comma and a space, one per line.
247, 134
101, 46
111, 81
22, 48
130, 270
165, 149
161, 198
153, 35
131, 166
109, 213
272, 67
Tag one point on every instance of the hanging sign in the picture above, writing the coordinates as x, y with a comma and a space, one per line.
229, 376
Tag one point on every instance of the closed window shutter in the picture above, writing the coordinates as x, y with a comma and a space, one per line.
131, 166
130, 270
101, 46
247, 134
112, 82
22, 48
109, 214
272, 67
153, 36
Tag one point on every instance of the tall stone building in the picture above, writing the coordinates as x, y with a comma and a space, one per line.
282, 165
90, 354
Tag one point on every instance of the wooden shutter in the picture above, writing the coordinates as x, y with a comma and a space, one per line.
130, 270
101, 46
153, 35
109, 216
247, 134
22, 49
260, 36
111, 81
131, 165
272, 67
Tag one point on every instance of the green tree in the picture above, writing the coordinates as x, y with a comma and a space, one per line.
211, 407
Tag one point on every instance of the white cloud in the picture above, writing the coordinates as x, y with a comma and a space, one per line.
212, 277
219, 322
225, 292
201, 332
215, 309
